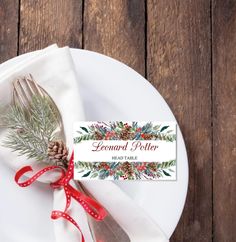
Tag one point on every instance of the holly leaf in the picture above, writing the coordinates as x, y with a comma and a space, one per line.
86, 174
83, 128
164, 127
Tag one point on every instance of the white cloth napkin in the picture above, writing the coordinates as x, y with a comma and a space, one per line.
53, 69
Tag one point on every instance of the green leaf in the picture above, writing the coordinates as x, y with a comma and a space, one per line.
86, 174
94, 175
164, 127
119, 173
114, 165
80, 171
84, 129
156, 127
120, 124
166, 173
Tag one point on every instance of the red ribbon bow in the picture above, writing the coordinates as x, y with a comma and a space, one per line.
91, 206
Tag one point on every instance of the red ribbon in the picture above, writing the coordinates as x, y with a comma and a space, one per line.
91, 206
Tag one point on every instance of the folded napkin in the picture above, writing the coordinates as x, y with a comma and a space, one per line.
53, 69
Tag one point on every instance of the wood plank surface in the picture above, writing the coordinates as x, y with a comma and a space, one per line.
179, 66
45, 22
224, 119
8, 29
117, 29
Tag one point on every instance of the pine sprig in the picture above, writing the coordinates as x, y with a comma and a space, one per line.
29, 147
83, 137
31, 129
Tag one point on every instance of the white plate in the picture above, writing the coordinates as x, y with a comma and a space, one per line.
112, 91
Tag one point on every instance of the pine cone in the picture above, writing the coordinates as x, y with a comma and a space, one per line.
152, 166
57, 152
126, 134
127, 168
98, 135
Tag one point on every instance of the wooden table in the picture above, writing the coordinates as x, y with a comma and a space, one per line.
187, 50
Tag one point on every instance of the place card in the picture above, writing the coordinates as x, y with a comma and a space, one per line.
125, 150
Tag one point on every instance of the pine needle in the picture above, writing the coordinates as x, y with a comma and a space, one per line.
31, 130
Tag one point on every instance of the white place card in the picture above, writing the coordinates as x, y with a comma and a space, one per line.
125, 150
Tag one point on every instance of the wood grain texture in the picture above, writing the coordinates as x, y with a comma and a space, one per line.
179, 66
117, 29
44, 22
8, 29
224, 122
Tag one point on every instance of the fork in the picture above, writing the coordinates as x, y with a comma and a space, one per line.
24, 88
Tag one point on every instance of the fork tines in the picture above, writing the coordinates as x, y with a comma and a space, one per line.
24, 88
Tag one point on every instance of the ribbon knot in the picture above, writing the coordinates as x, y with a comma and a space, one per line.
92, 207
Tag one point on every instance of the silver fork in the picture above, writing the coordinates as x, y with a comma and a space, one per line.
24, 88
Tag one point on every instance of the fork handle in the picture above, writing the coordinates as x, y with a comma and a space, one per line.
107, 230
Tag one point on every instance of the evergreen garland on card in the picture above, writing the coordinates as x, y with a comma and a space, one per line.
123, 131
125, 170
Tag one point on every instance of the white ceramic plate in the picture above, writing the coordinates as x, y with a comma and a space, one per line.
111, 91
